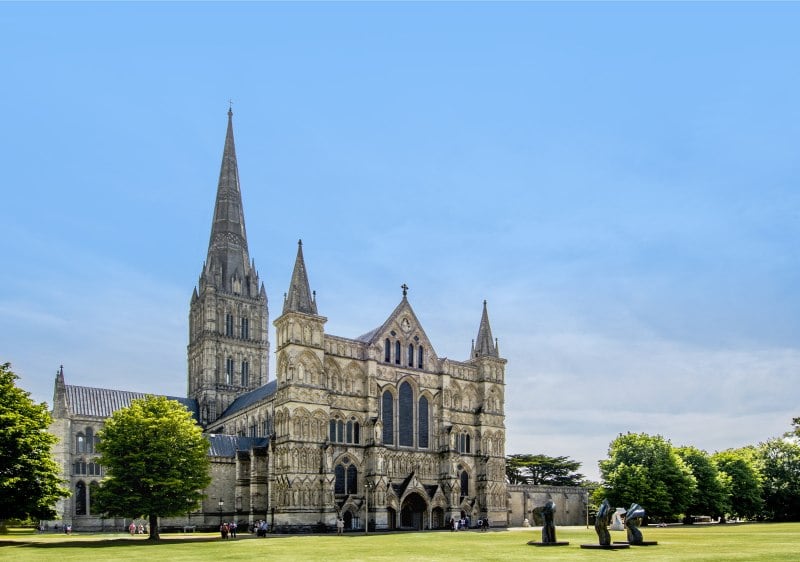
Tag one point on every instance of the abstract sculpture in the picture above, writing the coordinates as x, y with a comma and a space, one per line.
601, 522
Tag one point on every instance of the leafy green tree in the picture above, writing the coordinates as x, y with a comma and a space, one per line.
646, 469
740, 465
30, 482
156, 461
542, 470
796, 431
711, 495
780, 471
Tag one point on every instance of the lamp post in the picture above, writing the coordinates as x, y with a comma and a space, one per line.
221, 503
367, 488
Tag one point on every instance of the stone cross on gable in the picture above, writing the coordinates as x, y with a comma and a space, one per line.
405, 289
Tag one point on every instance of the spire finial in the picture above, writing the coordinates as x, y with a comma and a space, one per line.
230, 108
405, 289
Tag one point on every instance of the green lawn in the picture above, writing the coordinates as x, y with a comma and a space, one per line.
746, 542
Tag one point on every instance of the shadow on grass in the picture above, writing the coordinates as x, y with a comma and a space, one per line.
106, 543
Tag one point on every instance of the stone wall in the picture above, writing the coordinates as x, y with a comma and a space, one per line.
570, 503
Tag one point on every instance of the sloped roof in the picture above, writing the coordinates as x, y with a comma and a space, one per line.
251, 397
102, 402
227, 445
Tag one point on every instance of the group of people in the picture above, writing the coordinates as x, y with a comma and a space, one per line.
464, 523
134, 529
228, 529
260, 528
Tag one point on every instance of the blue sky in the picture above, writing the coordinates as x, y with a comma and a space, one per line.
619, 181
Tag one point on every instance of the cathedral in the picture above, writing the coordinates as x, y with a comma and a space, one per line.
377, 429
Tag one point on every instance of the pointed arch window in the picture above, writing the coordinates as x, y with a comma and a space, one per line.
405, 415
420, 357
411, 355
245, 329
387, 351
352, 480
245, 373
422, 427
397, 352
80, 443
229, 370
228, 324
89, 440
80, 498
387, 416
464, 485
339, 487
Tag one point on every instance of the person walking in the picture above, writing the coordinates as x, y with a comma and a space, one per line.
339, 526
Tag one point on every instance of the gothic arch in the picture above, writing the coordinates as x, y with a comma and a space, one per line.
354, 379
333, 374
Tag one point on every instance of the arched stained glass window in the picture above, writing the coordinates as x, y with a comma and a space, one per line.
387, 416
80, 498
405, 415
422, 427
339, 486
387, 351
80, 443
411, 355
89, 440
420, 358
397, 352
464, 485
332, 431
352, 480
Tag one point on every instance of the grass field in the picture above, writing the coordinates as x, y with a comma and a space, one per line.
746, 542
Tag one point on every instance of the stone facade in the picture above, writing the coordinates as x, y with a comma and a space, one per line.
378, 429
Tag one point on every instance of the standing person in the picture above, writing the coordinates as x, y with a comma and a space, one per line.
234, 525
339, 526
132, 528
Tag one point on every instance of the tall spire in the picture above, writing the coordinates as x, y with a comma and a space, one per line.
484, 344
227, 248
299, 298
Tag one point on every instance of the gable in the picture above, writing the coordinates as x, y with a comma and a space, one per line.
403, 327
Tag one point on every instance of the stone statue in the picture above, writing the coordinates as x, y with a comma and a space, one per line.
601, 522
633, 518
549, 526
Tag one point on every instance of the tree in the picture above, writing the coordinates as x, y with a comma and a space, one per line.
745, 481
711, 495
780, 470
30, 481
541, 470
156, 461
646, 469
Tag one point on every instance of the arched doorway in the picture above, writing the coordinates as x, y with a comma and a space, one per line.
348, 520
437, 518
412, 512
391, 516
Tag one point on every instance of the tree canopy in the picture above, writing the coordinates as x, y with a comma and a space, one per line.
30, 481
745, 481
542, 470
711, 494
156, 461
779, 461
646, 470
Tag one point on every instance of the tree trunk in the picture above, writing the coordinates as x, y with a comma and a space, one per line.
153, 528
